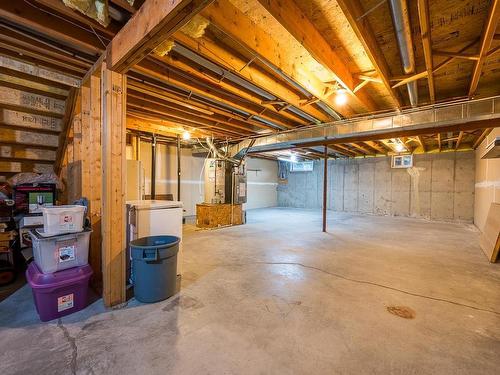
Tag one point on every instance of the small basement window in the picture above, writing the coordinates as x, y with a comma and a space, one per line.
402, 161
304, 166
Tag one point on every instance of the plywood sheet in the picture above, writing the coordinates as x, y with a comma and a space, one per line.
490, 238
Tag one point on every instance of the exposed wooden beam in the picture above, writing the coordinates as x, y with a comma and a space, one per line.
69, 114
420, 140
12, 118
353, 10
481, 137
30, 138
31, 86
29, 102
21, 13
153, 23
7, 166
18, 152
169, 75
438, 137
291, 17
221, 55
485, 44
456, 55
342, 151
347, 149
459, 140
239, 27
361, 148
35, 71
425, 31
285, 119
374, 145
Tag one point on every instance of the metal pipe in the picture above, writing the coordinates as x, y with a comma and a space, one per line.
153, 167
401, 21
178, 168
325, 185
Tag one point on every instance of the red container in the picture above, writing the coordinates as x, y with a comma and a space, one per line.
60, 293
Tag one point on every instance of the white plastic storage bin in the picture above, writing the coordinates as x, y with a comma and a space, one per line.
63, 219
60, 252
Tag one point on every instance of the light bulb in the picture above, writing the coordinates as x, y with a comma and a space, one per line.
341, 97
399, 147
186, 135
293, 158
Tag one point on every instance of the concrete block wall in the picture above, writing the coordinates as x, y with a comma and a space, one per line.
440, 187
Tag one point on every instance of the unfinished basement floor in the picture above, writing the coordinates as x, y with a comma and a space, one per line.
277, 296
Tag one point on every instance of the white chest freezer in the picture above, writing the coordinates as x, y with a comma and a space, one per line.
154, 218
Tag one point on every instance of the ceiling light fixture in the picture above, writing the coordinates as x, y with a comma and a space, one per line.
293, 158
186, 135
399, 147
341, 97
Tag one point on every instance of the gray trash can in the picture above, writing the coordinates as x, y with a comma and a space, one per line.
154, 267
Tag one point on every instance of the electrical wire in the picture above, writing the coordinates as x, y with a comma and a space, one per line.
92, 31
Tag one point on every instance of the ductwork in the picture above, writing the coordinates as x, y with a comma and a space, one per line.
401, 21
217, 153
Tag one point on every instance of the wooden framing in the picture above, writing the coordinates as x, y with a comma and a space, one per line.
231, 21
153, 23
425, 30
353, 11
113, 138
288, 14
67, 121
485, 44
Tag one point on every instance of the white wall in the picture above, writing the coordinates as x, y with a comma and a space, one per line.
487, 182
166, 174
262, 177
262, 182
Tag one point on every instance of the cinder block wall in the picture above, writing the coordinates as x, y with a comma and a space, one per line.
442, 190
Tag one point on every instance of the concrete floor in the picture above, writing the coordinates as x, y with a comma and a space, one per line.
277, 296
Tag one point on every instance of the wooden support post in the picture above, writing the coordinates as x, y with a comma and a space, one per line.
178, 168
113, 138
95, 202
325, 186
153, 167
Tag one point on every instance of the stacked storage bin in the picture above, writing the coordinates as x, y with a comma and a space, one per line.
60, 274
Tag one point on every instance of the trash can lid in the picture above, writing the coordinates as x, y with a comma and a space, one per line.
154, 242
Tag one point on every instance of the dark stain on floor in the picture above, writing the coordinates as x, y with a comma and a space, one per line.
402, 311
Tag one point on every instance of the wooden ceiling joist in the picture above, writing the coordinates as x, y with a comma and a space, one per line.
153, 23
235, 24
425, 31
33, 103
485, 44
291, 17
229, 60
353, 10
38, 73
168, 75
155, 105
18, 152
287, 120
53, 27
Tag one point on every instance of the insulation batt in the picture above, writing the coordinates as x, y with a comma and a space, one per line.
95, 9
